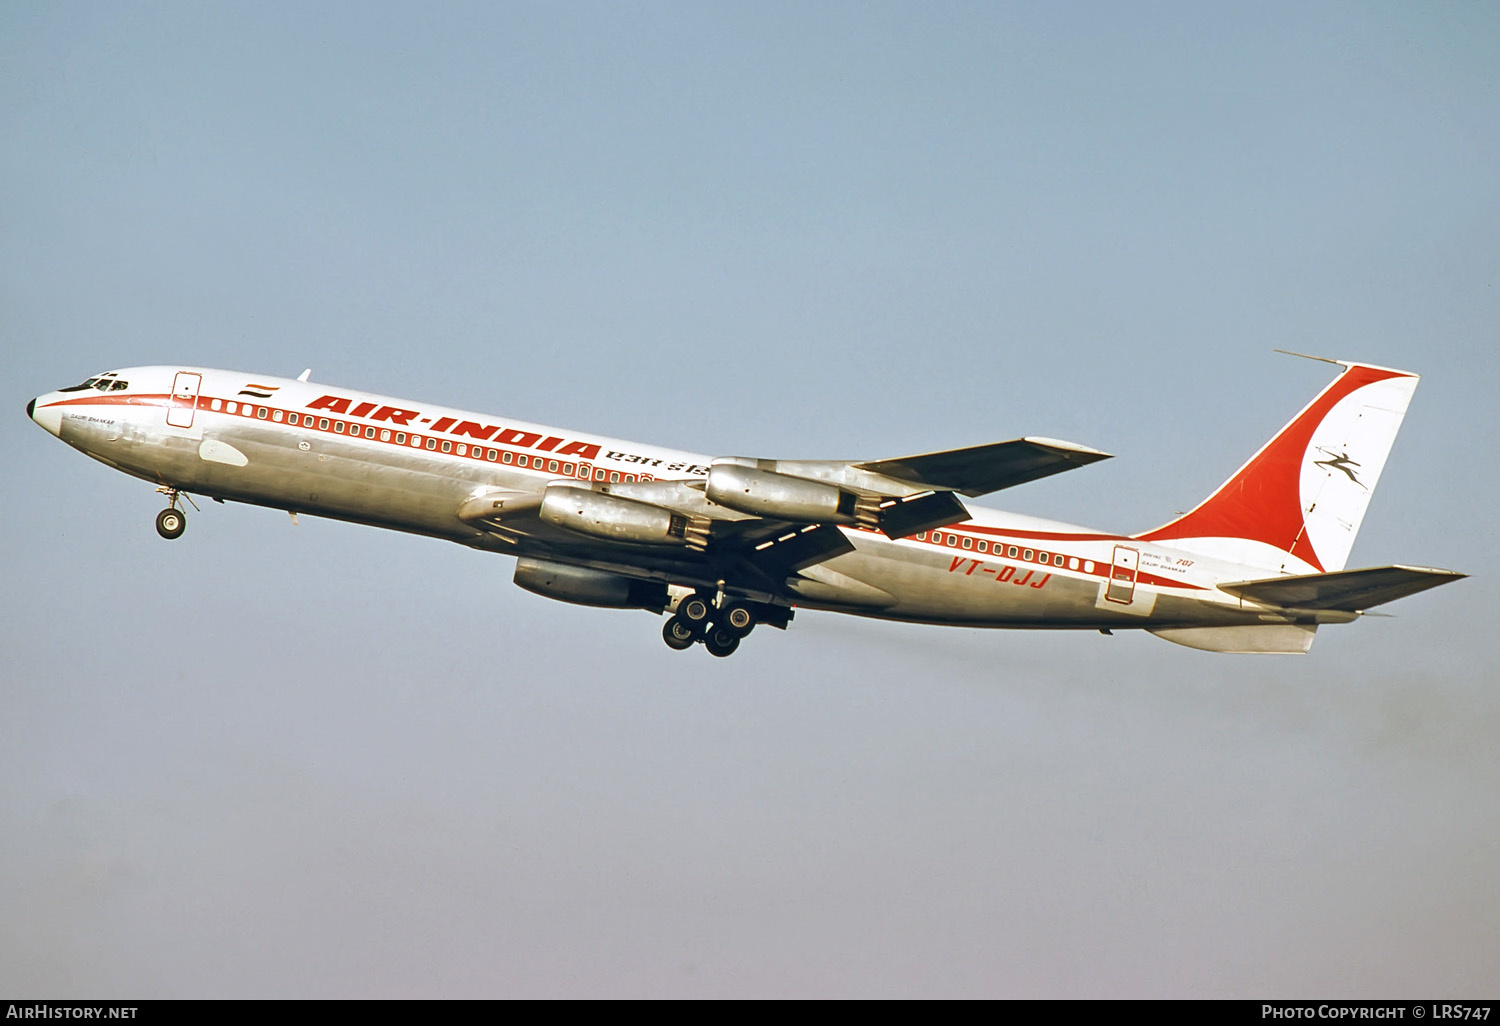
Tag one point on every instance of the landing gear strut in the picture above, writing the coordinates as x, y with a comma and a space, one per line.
171, 522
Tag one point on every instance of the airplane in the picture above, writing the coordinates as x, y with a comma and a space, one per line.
721, 545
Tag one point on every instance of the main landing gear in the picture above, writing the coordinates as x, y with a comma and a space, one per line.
171, 522
699, 618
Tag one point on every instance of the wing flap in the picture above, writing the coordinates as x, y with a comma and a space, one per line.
798, 548
1346, 590
986, 468
902, 517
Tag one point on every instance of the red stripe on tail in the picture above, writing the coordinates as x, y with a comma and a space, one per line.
1262, 500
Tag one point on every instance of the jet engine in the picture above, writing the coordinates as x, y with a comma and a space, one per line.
766, 493
585, 587
618, 519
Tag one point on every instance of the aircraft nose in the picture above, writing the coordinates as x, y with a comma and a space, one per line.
49, 417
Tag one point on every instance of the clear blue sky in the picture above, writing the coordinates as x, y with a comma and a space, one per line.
325, 760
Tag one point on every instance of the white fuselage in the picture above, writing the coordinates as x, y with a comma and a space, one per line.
341, 453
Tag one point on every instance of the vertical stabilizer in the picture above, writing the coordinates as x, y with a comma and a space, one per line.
1297, 505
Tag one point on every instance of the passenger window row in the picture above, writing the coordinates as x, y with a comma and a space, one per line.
953, 540
416, 441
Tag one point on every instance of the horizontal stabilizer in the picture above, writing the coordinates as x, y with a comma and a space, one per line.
1348, 590
987, 468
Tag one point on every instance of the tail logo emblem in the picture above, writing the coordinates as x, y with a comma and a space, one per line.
1339, 462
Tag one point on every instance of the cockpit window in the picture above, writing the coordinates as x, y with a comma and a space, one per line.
104, 383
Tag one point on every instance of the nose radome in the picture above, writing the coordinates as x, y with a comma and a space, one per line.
49, 417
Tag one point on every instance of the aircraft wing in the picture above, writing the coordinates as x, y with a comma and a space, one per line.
1347, 590
987, 468
764, 520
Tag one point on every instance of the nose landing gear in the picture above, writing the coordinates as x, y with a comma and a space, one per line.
171, 522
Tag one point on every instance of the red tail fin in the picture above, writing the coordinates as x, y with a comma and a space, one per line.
1297, 504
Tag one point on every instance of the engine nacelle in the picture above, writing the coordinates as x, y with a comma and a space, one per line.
612, 517
585, 587
766, 493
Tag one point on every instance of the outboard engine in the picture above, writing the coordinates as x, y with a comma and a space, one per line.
585, 587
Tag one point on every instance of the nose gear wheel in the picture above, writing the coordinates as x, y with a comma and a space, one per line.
170, 523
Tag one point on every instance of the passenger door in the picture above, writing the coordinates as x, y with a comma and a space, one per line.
184, 399
1122, 575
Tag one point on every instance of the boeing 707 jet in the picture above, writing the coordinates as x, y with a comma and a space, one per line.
723, 544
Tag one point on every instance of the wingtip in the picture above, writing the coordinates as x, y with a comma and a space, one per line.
1072, 447
1436, 571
